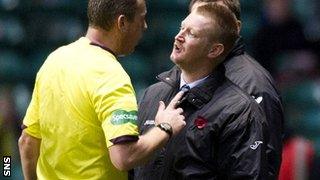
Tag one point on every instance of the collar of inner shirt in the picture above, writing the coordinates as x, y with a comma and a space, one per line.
192, 84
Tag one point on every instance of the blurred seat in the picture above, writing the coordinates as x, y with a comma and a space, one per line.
137, 67
303, 9
297, 157
12, 31
44, 28
36, 59
166, 26
311, 126
11, 68
302, 109
252, 6
305, 95
9, 5
250, 25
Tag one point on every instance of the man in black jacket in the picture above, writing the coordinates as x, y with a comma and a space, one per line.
249, 75
225, 136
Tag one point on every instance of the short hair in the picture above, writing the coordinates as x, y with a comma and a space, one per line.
103, 13
233, 5
225, 24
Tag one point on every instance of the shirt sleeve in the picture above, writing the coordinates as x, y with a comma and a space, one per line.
31, 119
116, 106
242, 146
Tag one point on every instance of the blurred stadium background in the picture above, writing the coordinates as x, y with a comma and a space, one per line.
284, 35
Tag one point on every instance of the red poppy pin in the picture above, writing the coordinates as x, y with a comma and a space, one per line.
200, 122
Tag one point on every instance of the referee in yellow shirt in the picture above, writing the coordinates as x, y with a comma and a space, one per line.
82, 120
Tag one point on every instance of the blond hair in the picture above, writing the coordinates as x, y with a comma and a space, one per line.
225, 22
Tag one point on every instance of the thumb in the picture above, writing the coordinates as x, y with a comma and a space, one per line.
162, 106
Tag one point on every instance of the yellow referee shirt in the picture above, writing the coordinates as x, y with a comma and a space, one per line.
83, 102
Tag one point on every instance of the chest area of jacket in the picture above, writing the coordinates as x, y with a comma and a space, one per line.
202, 127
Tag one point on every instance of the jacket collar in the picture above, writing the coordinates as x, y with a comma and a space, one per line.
171, 77
237, 49
199, 95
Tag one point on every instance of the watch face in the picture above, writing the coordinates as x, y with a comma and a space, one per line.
166, 126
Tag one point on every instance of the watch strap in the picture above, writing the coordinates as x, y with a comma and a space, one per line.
166, 127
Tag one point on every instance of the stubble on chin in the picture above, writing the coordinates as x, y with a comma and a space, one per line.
173, 58
177, 62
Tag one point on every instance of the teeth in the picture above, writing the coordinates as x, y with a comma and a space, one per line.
177, 47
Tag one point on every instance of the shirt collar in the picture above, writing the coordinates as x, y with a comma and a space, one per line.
192, 84
103, 47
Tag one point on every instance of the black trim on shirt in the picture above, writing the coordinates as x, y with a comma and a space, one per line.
125, 139
23, 126
103, 47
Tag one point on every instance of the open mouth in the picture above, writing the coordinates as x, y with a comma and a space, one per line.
177, 47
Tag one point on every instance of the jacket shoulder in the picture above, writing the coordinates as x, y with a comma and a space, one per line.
249, 75
236, 100
156, 88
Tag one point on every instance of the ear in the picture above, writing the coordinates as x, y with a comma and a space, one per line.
216, 50
122, 23
239, 26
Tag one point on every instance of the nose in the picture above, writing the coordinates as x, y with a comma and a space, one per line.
180, 36
145, 26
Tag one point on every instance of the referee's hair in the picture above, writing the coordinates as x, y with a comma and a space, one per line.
103, 13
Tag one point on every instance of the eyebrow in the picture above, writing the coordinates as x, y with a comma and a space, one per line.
190, 28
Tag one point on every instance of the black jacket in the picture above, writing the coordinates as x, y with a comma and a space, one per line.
225, 136
250, 76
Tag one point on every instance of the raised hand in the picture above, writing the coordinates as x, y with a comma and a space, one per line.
171, 114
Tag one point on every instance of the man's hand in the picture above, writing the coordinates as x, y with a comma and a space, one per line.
171, 114
128, 155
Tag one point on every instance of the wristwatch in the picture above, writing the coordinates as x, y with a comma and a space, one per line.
166, 127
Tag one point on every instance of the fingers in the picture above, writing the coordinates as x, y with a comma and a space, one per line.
181, 117
179, 124
175, 100
180, 110
183, 121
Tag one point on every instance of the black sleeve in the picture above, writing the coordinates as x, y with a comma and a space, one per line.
272, 107
242, 145
147, 109
142, 105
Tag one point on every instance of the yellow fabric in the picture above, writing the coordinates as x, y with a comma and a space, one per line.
77, 91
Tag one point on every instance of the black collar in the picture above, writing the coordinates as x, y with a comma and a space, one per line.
199, 95
171, 77
103, 47
237, 49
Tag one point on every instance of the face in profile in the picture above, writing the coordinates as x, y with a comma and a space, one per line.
192, 44
136, 28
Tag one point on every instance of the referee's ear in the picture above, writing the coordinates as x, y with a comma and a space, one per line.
239, 24
122, 23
